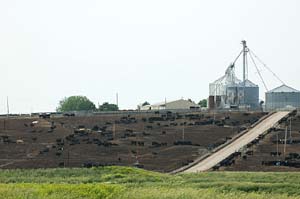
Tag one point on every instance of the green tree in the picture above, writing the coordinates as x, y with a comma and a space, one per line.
145, 103
203, 103
108, 107
76, 103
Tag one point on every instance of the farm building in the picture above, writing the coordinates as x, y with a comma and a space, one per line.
282, 97
177, 104
228, 92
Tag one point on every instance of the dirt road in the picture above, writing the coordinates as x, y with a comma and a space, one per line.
218, 156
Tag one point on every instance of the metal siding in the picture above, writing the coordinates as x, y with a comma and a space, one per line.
252, 96
282, 100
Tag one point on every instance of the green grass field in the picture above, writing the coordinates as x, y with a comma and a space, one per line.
130, 183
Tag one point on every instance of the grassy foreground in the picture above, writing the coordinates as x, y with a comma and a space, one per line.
130, 183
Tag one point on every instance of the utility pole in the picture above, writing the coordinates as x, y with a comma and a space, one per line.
245, 50
7, 106
136, 154
215, 104
291, 140
277, 147
68, 157
245, 72
117, 99
285, 137
183, 129
183, 133
114, 130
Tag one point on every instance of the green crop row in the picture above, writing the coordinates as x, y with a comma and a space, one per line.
110, 191
130, 183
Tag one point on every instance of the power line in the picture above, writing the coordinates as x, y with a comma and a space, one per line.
258, 71
266, 67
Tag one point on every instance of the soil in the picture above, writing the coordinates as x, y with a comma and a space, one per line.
270, 156
160, 142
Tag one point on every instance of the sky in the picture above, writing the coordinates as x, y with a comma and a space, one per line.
142, 50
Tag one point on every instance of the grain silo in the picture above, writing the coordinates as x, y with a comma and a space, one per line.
218, 89
250, 93
230, 92
225, 92
282, 97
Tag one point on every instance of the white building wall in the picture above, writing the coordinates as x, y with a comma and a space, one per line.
178, 104
181, 104
282, 100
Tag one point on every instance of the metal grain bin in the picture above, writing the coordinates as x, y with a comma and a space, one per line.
244, 94
282, 98
251, 95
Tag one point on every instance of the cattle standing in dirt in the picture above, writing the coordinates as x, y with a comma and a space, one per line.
19, 141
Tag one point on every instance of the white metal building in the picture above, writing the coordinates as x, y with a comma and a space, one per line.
177, 104
229, 91
282, 97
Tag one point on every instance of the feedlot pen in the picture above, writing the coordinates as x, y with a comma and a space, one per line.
154, 141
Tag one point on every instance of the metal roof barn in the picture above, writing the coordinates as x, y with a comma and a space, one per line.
172, 105
282, 98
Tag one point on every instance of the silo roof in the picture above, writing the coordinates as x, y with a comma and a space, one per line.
283, 89
248, 83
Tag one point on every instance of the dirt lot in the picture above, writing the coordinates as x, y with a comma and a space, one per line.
161, 142
270, 153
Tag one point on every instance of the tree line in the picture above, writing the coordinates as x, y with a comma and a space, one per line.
82, 103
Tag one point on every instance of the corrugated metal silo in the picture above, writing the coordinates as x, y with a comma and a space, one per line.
250, 91
282, 97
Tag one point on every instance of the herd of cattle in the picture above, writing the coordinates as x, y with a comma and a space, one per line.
277, 148
139, 140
